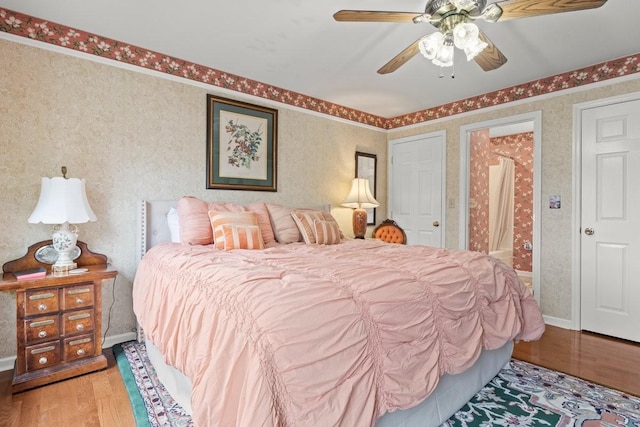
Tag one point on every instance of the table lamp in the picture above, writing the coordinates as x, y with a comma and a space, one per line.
63, 201
359, 199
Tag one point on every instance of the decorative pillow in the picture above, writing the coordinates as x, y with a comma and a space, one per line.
193, 230
284, 229
235, 236
219, 219
262, 214
193, 217
174, 225
326, 232
304, 220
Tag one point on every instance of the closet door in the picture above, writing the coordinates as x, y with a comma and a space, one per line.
416, 175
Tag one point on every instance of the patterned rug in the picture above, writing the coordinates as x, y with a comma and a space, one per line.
521, 394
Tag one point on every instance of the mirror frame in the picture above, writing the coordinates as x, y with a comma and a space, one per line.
465, 131
363, 170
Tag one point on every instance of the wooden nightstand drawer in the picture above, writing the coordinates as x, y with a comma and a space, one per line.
77, 297
42, 355
41, 302
78, 347
76, 322
42, 328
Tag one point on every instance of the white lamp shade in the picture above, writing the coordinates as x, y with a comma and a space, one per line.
360, 195
62, 200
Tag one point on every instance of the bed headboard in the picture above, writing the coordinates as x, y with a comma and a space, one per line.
152, 224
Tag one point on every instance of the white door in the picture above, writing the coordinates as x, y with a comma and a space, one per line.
416, 187
610, 223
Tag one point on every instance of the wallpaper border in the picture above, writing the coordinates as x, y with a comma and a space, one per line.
23, 25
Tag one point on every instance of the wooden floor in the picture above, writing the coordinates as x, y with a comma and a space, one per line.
596, 358
100, 399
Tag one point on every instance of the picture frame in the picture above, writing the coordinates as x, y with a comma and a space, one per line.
242, 142
367, 167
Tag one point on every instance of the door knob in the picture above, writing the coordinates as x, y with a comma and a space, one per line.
436, 224
588, 231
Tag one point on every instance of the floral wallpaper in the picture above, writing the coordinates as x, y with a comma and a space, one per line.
60, 35
520, 148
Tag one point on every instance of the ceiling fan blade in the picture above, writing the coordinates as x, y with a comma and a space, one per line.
490, 58
400, 59
374, 16
514, 9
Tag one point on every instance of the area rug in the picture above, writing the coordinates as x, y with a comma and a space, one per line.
521, 394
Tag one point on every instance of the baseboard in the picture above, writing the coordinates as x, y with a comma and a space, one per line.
6, 364
556, 321
110, 341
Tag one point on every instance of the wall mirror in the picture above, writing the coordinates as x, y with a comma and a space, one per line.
366, 165
500, 192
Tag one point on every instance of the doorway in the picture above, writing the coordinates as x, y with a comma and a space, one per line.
509, 148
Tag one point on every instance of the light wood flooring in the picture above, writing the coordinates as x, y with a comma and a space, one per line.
100, 398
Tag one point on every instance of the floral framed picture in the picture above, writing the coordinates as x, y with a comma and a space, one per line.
241, 145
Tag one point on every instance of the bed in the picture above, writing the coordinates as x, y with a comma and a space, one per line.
358, 333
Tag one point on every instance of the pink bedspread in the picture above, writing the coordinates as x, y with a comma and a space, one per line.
309, 335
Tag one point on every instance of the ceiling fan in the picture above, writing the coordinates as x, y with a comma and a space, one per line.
454, 21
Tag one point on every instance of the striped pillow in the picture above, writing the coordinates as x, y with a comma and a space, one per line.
237, 236
219, 219
326, 232
304, 220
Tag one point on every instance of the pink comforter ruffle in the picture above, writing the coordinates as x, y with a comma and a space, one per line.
309, 335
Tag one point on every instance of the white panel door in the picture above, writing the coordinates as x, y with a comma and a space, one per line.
416, 194
610, 223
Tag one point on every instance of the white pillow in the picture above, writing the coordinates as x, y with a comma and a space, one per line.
174, 225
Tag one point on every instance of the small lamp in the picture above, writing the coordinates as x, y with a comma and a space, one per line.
359, 199
63, 201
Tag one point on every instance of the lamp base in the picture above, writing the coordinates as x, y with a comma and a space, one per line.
65, 237
359, 223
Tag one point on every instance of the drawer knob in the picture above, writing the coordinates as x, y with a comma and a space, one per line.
79, 326
79, 301
42, 334
43, 360
42, 307
80, 352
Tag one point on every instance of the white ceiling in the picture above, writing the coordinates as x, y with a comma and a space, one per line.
297, 45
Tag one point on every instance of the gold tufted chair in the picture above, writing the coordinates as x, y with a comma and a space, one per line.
390, 232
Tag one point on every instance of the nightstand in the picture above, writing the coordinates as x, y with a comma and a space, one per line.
59, 318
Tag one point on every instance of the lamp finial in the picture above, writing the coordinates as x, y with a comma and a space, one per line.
64, 172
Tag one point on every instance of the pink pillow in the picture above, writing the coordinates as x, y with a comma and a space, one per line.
193, 216
220, 219
304, 219
326, 232
262, 213
284, 229
235, 236
195, 228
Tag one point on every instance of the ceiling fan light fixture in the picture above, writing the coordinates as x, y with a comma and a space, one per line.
472, 50
465, 34
444, 58
430, 45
